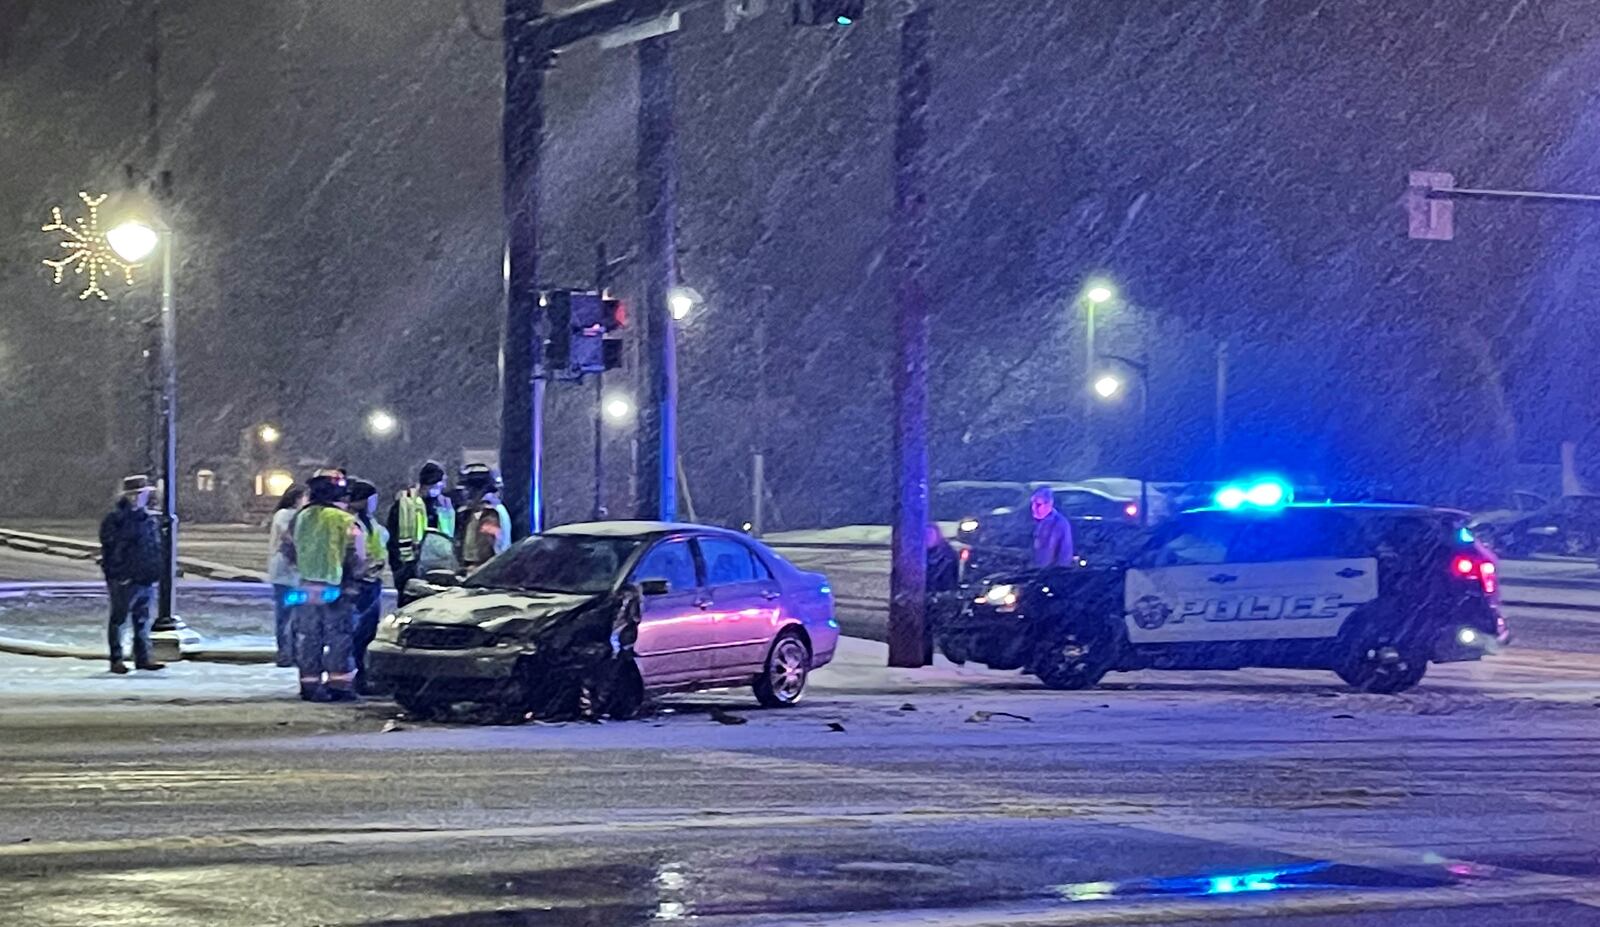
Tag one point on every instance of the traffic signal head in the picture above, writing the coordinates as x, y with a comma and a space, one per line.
828, 12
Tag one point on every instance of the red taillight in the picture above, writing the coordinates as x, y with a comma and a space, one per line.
1131, 510
1481, 570
966, 554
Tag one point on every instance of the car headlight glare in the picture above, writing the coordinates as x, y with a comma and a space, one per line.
389, 627
1003, 597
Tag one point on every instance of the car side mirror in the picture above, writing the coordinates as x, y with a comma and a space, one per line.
442, 579
651, 587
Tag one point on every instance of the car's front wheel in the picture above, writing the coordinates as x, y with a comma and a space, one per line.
1384, 663
783, 678
1073, 659
418, 704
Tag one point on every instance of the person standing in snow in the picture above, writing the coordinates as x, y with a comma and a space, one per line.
1052, 533
369, 590
416, 511
132, 559
281, 572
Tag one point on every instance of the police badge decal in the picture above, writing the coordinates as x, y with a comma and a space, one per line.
1150, 612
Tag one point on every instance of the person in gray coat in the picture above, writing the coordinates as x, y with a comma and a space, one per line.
1052, 533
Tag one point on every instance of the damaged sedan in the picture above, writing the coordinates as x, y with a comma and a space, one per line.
592, 618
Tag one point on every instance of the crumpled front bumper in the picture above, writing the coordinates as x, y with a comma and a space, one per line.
390, 662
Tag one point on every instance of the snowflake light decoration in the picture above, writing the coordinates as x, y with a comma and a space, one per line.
88, 254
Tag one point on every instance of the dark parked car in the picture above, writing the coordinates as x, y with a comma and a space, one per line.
1104, 524
1373, 592
1569, 525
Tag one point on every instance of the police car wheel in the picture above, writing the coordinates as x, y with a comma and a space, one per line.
1072, 661
1383, 666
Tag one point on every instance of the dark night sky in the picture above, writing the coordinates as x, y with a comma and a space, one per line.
1236, 166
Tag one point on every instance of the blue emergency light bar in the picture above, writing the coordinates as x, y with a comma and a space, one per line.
1260, 493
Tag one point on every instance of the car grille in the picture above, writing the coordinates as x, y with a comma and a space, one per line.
443, 637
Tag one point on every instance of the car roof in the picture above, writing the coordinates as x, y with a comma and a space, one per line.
633, 529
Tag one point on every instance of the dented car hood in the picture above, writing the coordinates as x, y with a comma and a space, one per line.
491, 608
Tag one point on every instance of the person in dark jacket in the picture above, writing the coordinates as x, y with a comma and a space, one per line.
1052, 533
131, 558
942, 583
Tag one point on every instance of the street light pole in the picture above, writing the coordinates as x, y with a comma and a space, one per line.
1108, 387
169, 437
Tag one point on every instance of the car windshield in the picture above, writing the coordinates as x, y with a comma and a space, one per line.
557, 563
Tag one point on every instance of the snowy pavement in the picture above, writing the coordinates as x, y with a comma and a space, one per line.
890, 797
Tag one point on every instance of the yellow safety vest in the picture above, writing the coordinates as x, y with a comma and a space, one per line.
413, 521
322, 536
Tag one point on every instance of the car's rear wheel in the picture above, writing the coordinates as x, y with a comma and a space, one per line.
783, 679
1384, 663
1074, 659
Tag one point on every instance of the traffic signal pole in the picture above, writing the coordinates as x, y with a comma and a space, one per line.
908, 570
521, 349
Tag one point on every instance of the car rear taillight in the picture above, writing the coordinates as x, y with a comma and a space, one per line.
1484, 571
1131, 510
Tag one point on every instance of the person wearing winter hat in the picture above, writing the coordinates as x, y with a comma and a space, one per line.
417, 510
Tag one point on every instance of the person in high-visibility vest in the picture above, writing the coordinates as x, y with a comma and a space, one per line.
415, 512
369, 589
329, 549
484, 525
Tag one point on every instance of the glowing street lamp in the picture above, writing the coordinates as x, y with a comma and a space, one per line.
619, 409
381, 423
682, 301
1099, 294
268, 434
1108, 386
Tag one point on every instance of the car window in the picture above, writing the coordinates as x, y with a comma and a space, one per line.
1298, 535
1198, 539
727, 562
556, 563
1078, 504
672, 561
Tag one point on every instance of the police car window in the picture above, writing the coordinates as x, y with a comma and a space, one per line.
1297, 535
672, 561
1197, 540
727, 562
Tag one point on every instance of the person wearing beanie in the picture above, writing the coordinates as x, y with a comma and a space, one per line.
417, 510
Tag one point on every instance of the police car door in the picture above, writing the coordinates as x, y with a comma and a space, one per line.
1225, 576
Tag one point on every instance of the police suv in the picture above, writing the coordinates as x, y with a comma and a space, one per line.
1373, 592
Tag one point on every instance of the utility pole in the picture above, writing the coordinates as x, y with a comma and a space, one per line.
1219, 436
658, 195
908, 571
521, 347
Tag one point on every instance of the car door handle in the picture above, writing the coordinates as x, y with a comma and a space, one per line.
1221, 578
770, 594
1350, 573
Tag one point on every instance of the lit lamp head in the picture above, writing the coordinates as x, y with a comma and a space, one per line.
618, 408
133, 241
1100, 293
1108, 386
382, 423
682, 301
268, 434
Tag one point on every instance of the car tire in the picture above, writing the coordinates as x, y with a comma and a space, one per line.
783, 677
1073, 659
419, 705
1382, 663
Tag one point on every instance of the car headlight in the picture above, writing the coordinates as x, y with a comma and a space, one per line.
967, 525
1003, 597
389, 628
